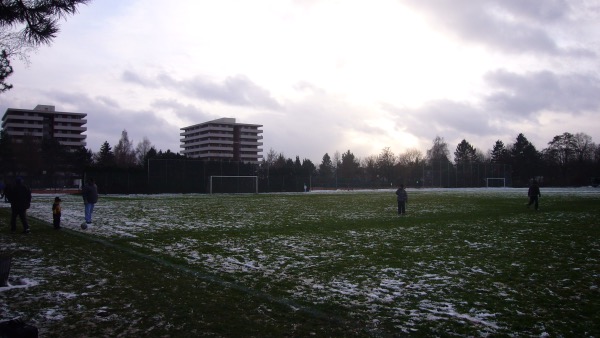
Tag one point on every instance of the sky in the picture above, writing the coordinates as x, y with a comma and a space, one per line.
324, 76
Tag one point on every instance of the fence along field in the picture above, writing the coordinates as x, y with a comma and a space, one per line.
467, 262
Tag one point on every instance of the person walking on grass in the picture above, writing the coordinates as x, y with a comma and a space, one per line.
402, 198
534, 195
90, 198
56, 213
19, 197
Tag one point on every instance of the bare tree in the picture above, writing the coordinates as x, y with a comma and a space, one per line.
337, 159
385, 164
142, 150
271, 157
369, 164
124, 153
583, 147
410, 156
439, 151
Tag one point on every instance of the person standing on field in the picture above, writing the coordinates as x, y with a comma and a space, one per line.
402, 198
90, 198
56, 213
19, 197
534, 195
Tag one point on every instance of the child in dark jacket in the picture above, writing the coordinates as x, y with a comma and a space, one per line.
56, 212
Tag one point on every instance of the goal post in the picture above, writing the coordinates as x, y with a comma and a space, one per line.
233, 184
495, 182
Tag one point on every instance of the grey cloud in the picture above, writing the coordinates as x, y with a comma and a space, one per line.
236, 90
513, 26
108, 101
440, 117
527, 94
132, 77
185, 111
106, 121
541, 11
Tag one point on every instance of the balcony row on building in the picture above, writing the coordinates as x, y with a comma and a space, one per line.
217, 140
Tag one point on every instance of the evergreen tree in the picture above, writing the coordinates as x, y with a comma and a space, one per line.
7, 154
308, 167
465, 153
349, 167
326, 167
297, 165
280, 161
106, 157
80, 159
499, 153
5, 71
525, 160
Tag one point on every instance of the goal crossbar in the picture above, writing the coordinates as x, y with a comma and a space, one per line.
502, 179
255, 178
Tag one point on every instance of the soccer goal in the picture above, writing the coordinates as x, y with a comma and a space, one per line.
233, 184
495, 182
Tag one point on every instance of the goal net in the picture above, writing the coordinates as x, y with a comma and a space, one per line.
233, 184
495, 182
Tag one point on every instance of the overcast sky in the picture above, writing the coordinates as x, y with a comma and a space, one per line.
324, 75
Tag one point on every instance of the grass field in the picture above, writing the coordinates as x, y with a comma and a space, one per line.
461, 262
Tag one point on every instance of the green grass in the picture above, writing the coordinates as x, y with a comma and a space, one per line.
458, 263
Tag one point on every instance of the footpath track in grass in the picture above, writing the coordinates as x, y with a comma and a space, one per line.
464, 262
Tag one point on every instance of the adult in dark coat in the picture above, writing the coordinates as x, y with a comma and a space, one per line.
534, 195
19, 197
90, 197
402, 199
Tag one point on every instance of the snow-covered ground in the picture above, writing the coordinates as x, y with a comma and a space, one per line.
114, 219
406, 296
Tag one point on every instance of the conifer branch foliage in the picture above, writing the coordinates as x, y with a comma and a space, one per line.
39, 17
5, 71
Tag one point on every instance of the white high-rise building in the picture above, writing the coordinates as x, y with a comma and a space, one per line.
223, 139
45, 122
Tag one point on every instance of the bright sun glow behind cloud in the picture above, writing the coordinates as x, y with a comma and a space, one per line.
368, 53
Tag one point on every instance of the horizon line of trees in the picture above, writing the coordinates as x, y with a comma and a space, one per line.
568, 159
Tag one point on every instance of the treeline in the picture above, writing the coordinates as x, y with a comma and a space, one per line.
568, 160
47, 164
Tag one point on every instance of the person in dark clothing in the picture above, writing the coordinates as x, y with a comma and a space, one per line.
56, 213
19, 197
90, 197
402, 198
534, 195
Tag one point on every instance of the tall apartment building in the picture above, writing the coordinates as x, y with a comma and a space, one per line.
222, 139
45, 122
